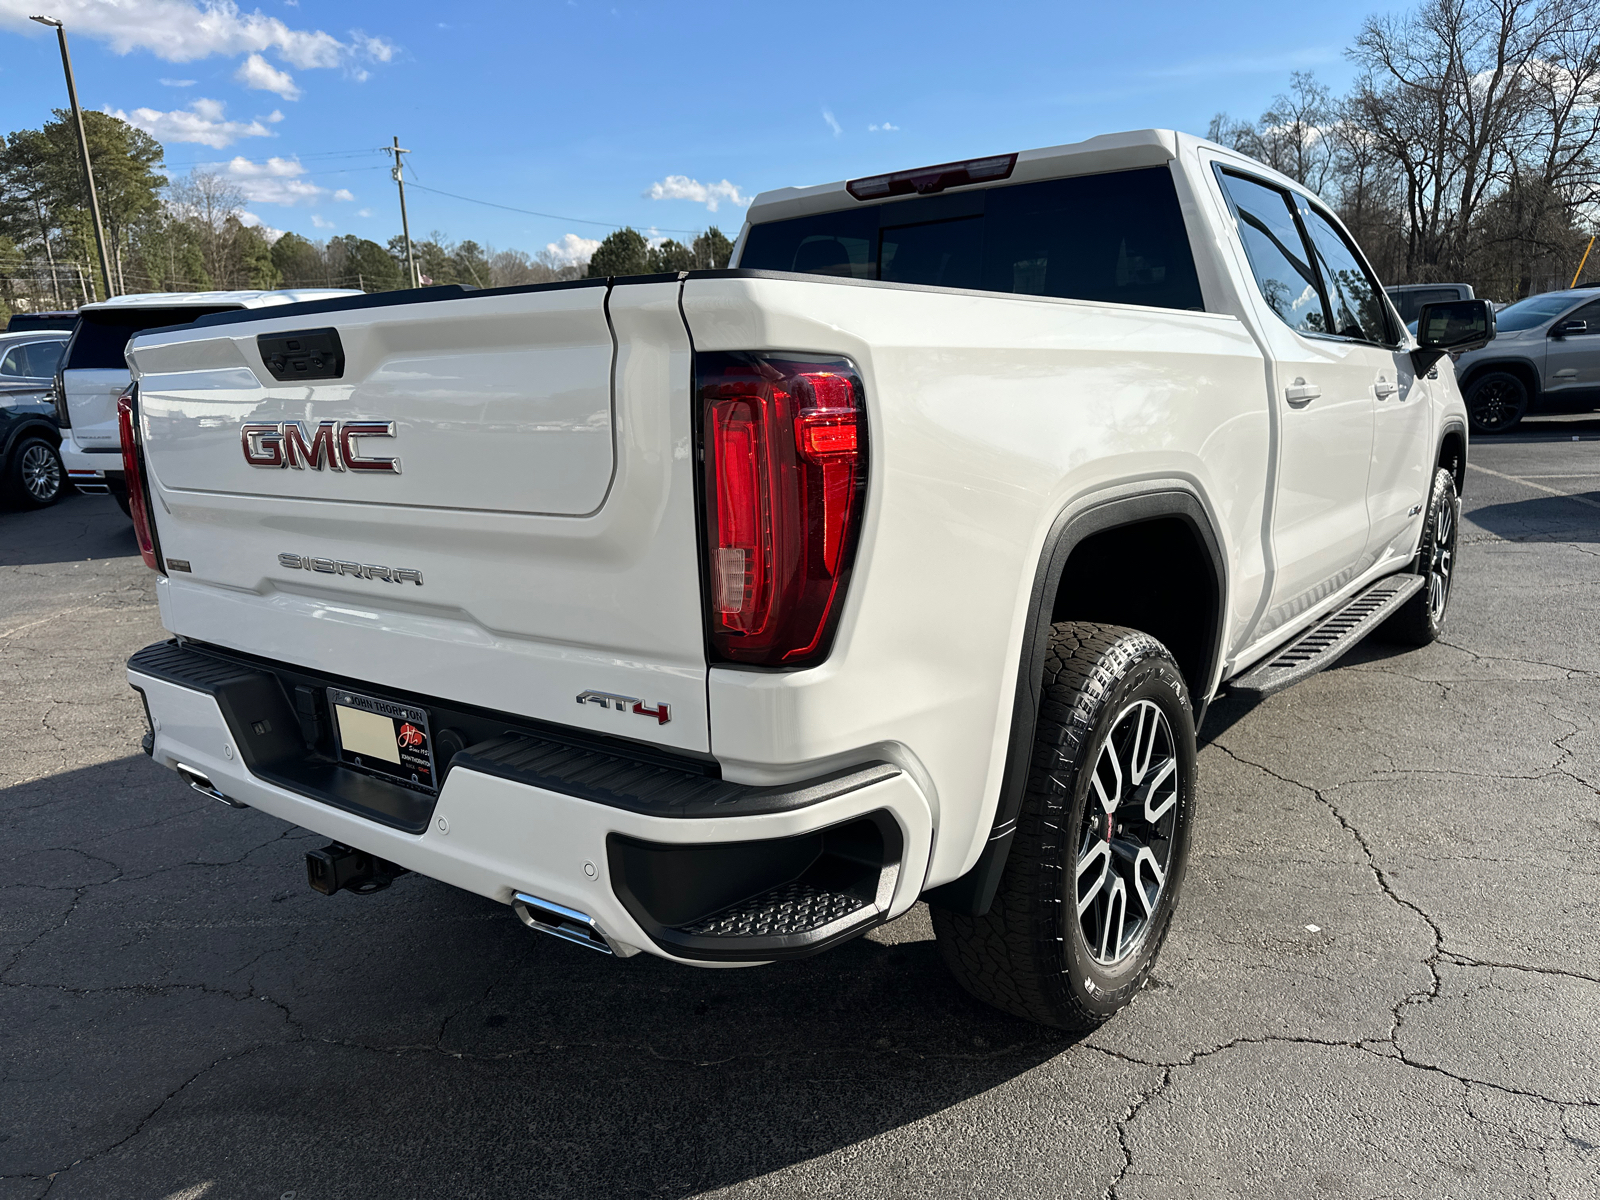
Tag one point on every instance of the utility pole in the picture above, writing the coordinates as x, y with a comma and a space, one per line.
398, 172
83, 145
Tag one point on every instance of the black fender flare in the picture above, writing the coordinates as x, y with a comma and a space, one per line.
1522, 366
1458, 427
973, 892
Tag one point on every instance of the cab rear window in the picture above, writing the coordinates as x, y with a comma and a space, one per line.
1117, 237
101, 336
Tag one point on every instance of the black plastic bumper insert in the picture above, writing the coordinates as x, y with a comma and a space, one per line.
756, 901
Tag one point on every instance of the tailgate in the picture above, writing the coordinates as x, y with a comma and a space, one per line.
492, 503
92, 405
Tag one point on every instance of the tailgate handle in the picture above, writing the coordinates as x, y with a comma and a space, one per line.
302, 354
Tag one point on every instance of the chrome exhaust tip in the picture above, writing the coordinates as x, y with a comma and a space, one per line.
560, 921
201, 783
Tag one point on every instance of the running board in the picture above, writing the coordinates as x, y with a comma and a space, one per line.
1326, 642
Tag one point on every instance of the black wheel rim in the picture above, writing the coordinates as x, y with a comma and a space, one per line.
1442, 559
1126, 839
1497, 405
41, 474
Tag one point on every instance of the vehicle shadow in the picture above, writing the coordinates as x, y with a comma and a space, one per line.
77, 527
420, 1041
1574, 518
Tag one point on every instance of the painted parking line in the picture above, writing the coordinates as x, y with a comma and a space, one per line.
1584, 500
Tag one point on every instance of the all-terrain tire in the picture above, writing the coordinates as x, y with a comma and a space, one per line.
1421, 619
1030, 954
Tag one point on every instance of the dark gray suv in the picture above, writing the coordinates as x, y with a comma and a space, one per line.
1545, 358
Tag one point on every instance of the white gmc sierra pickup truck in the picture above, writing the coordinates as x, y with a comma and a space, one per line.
724, 615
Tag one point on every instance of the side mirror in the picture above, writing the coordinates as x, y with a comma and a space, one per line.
1561, 328
1454, 326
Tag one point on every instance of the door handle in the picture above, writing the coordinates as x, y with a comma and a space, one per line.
1301, 392
1384, 388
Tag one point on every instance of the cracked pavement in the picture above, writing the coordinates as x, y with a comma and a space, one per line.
1383, 980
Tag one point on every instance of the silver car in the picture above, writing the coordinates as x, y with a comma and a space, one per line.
1545, 358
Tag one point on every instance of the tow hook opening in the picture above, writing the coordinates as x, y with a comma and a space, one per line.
560, 921
201, 783
337, 867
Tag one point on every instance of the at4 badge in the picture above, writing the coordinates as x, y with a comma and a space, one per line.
383, 738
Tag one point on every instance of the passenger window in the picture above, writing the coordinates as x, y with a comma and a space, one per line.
1590, 315
1277, 253
11, 364
1352, 293
45, 357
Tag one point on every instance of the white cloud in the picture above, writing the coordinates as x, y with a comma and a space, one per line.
376, 48
256, 72
884, 128
832, 124
572, 249
177, 83
317, 220
267, 231
681, 187
363, 212
278, 181
185, 30
201, 122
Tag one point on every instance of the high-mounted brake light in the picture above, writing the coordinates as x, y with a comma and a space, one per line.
925, 181
784, 445
144, 531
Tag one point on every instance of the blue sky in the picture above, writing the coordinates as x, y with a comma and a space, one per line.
648, 115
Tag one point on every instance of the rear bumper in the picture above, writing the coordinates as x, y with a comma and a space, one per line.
88, 469
656, 879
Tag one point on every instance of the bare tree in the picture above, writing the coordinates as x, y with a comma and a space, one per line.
212, 205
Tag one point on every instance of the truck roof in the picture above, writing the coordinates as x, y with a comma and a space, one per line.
1106, 152
244, 299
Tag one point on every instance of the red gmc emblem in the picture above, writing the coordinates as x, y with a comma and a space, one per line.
332, 446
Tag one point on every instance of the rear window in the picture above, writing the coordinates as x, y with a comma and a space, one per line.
1118, 238
101, 337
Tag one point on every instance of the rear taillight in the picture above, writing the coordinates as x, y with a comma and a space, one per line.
784, 445
58, 396
144, 530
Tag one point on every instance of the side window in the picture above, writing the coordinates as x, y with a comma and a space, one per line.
45, 357
1277, 253
12, 365
1352, 293
1590, 315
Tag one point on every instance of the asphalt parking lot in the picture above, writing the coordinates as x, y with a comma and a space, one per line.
1384, 979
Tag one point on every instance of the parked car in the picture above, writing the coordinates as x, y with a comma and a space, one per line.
722, 616
30, 464
94, 371
29, 322
1408, 298
1545, 359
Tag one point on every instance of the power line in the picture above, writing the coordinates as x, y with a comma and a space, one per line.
548, 216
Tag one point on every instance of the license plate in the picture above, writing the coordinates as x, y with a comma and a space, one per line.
392, 741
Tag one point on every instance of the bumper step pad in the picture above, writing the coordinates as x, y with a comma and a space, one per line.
785, 911
1326, 642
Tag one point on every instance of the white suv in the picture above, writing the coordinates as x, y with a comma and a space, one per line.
94, 372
